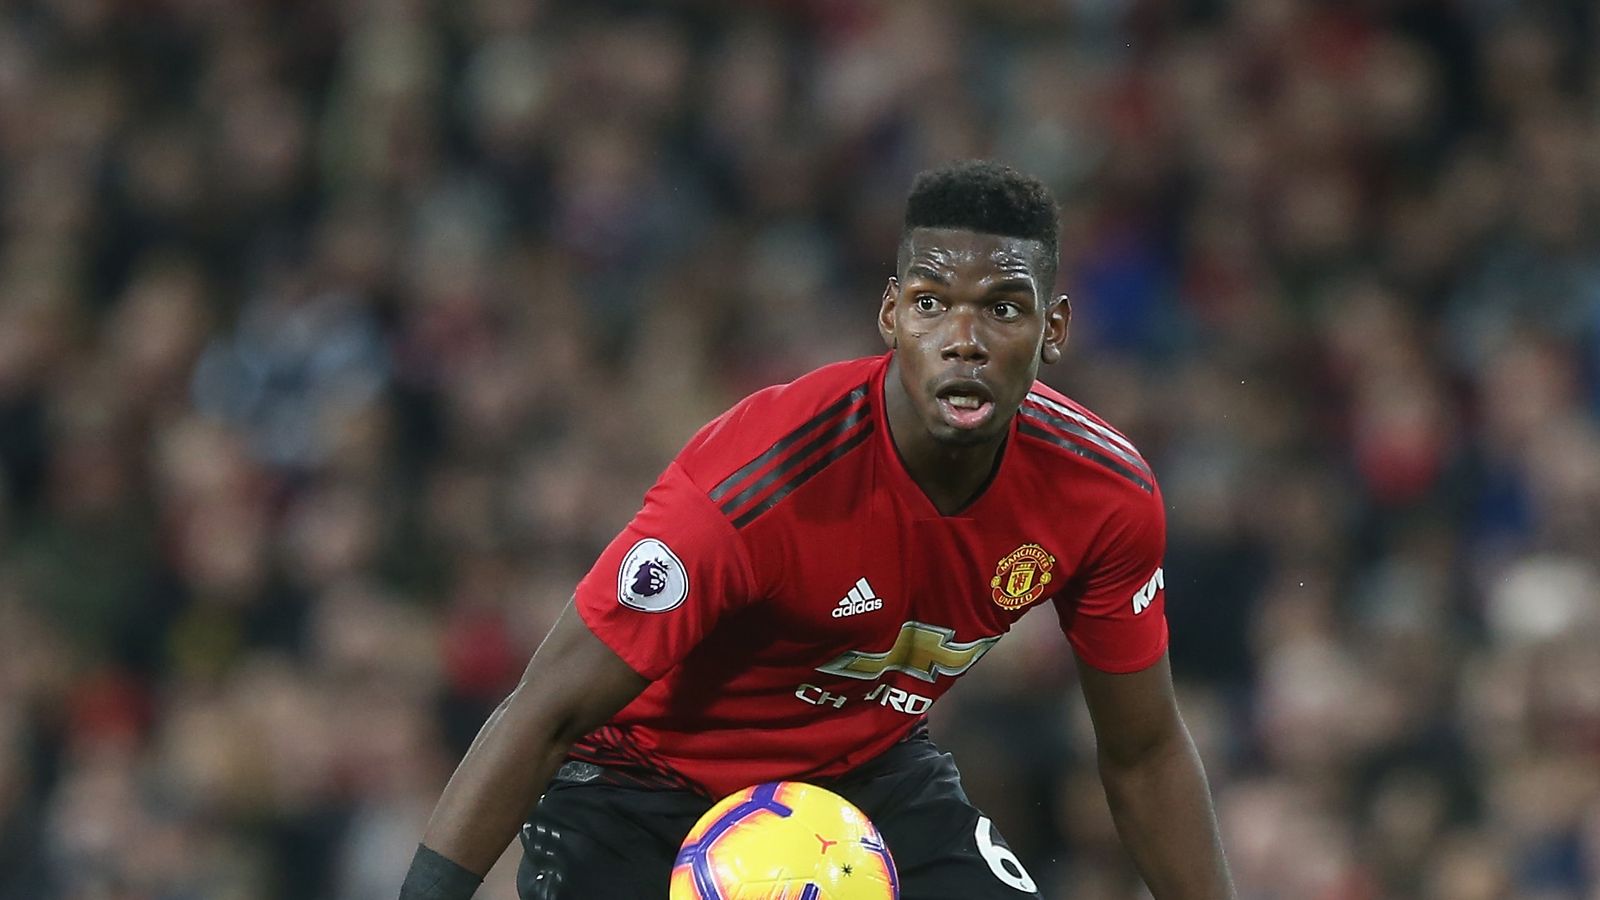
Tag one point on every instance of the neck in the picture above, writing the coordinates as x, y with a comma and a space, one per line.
950, 475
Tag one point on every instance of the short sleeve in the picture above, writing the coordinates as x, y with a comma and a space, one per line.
666, 580
1117, 620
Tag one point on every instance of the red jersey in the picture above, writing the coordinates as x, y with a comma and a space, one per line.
798, 603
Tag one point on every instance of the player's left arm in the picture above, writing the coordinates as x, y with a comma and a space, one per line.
1155, 783
1153, 778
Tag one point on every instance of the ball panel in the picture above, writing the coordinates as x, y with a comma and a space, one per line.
683, 884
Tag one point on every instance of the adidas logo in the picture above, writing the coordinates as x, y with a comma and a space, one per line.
861, 599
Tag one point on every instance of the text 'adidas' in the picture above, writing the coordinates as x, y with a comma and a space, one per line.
860, 599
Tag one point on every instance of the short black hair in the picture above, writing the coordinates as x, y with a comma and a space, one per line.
987, 197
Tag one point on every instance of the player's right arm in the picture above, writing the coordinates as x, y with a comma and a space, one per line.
661, 585
573, 684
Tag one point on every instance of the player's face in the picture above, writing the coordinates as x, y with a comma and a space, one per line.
970, 322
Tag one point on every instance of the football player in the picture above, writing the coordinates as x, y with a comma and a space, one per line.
818, 566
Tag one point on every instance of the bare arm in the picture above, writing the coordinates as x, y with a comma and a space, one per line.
1155, 784
573, 684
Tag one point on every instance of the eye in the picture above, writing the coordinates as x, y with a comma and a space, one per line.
927, 303
1006, 311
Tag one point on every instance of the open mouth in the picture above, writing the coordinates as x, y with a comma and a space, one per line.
965, 404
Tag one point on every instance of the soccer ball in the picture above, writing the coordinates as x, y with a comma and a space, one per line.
784, 840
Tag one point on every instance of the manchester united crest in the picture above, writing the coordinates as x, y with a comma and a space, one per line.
1021, 576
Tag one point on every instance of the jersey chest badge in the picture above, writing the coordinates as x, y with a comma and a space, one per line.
1021, 576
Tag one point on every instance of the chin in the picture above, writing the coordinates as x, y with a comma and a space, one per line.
961, 437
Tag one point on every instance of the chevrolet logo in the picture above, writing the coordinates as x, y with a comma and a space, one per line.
921, 651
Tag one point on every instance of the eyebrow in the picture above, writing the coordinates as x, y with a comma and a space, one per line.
1012, 284
922, 270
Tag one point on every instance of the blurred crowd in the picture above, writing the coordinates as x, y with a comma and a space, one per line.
337, 338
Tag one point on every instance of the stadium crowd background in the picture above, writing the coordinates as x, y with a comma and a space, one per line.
337, 338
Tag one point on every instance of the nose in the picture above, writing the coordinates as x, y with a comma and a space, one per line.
963, 339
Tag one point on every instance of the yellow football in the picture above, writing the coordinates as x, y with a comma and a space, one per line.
784, 840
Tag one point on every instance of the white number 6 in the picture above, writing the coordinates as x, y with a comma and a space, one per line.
1002, 862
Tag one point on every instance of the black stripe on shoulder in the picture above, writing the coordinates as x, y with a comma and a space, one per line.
781, 470
733, 481
1104, 442
1089, 453
1100, 428
804, 475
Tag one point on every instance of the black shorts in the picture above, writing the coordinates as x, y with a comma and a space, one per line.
593, 840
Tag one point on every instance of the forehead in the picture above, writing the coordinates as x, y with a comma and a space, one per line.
949, 250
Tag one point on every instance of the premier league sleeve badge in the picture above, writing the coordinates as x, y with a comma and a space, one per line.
652, 578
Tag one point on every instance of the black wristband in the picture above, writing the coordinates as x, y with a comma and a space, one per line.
435, 877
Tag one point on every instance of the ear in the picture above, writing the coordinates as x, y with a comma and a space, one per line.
891, 295
1056, 319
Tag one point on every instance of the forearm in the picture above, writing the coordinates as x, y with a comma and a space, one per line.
1162, 807
496, 785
